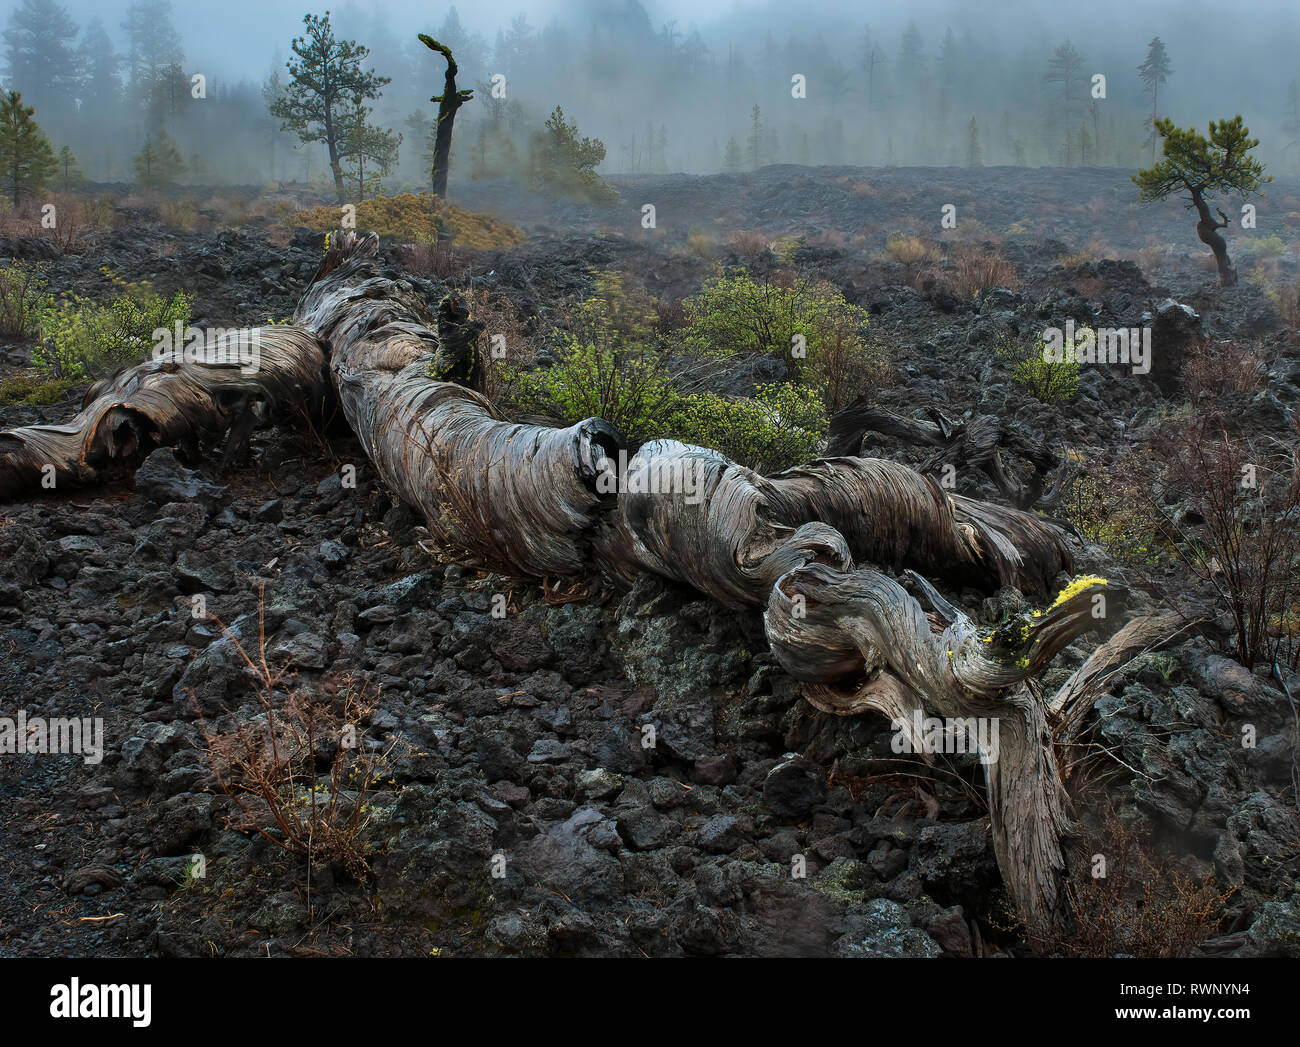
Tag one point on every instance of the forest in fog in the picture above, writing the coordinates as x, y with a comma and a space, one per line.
930, 84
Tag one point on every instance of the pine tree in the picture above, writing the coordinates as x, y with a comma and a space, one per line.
1201, 167
272, 92
160, 162
911, 58
948, 57
325, 77
974, 152
27, 161
1291, 119
40, 59
153, 47
734, 160
1154, 72
372, 149
69, 172
755, 141
1065, 70
101, 86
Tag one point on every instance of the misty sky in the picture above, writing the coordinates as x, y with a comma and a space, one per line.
238, 37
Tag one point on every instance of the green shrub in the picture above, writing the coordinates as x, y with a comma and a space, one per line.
781, 427
615, 363
82, 338
1264, 246
1044, 380
630, 392
22, 299
809, 323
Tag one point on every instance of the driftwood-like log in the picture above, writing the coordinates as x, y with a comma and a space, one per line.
226, 386
691, 514
521, 499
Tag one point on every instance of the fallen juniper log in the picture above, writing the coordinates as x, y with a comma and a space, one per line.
178, 398
566, 502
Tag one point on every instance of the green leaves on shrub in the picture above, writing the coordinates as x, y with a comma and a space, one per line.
1044, 380
619, 362
22, 299
630, 391
780, 427
83, 338
810, 324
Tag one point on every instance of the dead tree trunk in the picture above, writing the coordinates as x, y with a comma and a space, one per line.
538, 501
180, 398
981, 443
448, 103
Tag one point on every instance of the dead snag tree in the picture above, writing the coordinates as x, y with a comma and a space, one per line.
537, 501
448, 103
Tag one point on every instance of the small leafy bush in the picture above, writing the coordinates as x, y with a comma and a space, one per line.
1113, 507
1046, 381
780, 427
22, 299
809, 323
1265, 246
82, 338
631, 392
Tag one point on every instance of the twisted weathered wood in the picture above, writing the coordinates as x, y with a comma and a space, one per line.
184, 395
976, 443
862, 643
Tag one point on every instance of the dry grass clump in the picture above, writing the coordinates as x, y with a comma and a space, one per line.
505, 345
1145, 905
980, 270
73, 217
300, 773
748, 243
1219, 368
908, 250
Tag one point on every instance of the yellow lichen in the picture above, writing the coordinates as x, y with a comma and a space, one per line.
1077, 586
